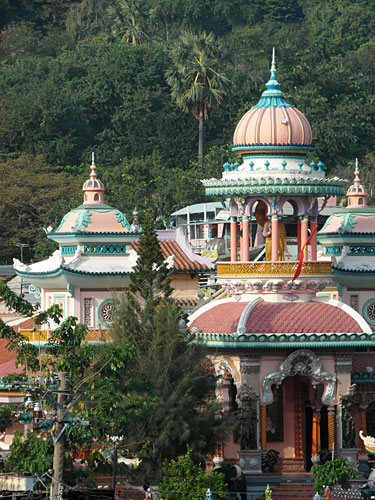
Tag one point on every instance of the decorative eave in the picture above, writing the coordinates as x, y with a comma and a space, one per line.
353, 271
272, 185
68, 270
273, 148
363, 378
285, 340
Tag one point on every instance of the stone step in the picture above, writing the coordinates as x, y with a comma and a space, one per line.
291, 491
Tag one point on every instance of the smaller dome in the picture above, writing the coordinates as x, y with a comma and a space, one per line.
356, 194
273, 121
94, 216
93, 188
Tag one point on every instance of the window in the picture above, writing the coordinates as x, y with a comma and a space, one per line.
350, 201
96, 197
354, 302
368, 311
87, 312
360, 201
106, 311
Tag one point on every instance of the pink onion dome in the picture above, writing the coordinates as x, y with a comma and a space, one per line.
272, 122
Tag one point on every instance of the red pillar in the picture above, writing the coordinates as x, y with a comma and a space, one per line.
313, 241
275, 238
304, 236
246, 240
233, 239
298, 237
241, 239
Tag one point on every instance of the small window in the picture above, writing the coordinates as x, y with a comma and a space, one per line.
360, 201
96, 197
85, 197
350, 201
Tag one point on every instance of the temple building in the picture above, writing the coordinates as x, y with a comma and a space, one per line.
290, 332
97, 252
287, 355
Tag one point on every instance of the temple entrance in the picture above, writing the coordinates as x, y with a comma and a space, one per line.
297, 423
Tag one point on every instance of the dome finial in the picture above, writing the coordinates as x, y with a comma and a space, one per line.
273, 64
93, 166
357, 180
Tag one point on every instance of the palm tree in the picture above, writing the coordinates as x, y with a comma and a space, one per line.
196, 82
126, 17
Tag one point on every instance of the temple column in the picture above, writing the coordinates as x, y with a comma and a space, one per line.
331, 427
275, 237
313, 241
263, 427
241, 238
233, 239
304, 236
298, 236
315, 443
246, 240
362, 455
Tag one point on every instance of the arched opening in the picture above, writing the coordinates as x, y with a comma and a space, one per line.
360, 201
96, 197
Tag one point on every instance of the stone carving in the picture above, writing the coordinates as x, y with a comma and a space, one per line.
348, 425
275, 285
304, 362
247, 417
246, 393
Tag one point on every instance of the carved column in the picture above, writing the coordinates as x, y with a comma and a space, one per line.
246, 240
331, 427
263, 427
249, 453
233, 239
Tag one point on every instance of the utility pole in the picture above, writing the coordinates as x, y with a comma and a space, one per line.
58, 455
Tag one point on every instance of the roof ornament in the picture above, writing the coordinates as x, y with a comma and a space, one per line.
273, 96
93, 166
357, 180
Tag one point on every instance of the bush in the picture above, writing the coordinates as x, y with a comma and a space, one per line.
336, 471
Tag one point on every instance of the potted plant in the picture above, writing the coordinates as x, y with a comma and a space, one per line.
334, 472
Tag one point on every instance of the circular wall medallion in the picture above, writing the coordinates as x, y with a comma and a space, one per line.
106, 311
368, 311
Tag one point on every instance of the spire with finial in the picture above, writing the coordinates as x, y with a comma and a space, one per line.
93, 166
356, 194
93, 188
273, 96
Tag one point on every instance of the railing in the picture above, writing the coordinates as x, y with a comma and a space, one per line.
44, 335
285, 268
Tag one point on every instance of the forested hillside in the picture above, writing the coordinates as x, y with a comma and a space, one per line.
112, 76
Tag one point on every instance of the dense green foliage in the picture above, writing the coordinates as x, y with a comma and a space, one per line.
337, 471
174, 369
183, 479
83, 75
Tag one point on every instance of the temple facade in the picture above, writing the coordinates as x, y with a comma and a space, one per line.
286, 353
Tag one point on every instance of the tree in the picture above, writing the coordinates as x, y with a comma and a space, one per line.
173, 364
185, 480
33, 195
99, 388
126, 18
196, 80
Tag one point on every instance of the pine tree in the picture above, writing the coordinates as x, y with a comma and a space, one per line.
186, 412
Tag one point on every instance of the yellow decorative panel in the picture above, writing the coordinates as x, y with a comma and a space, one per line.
258, 269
